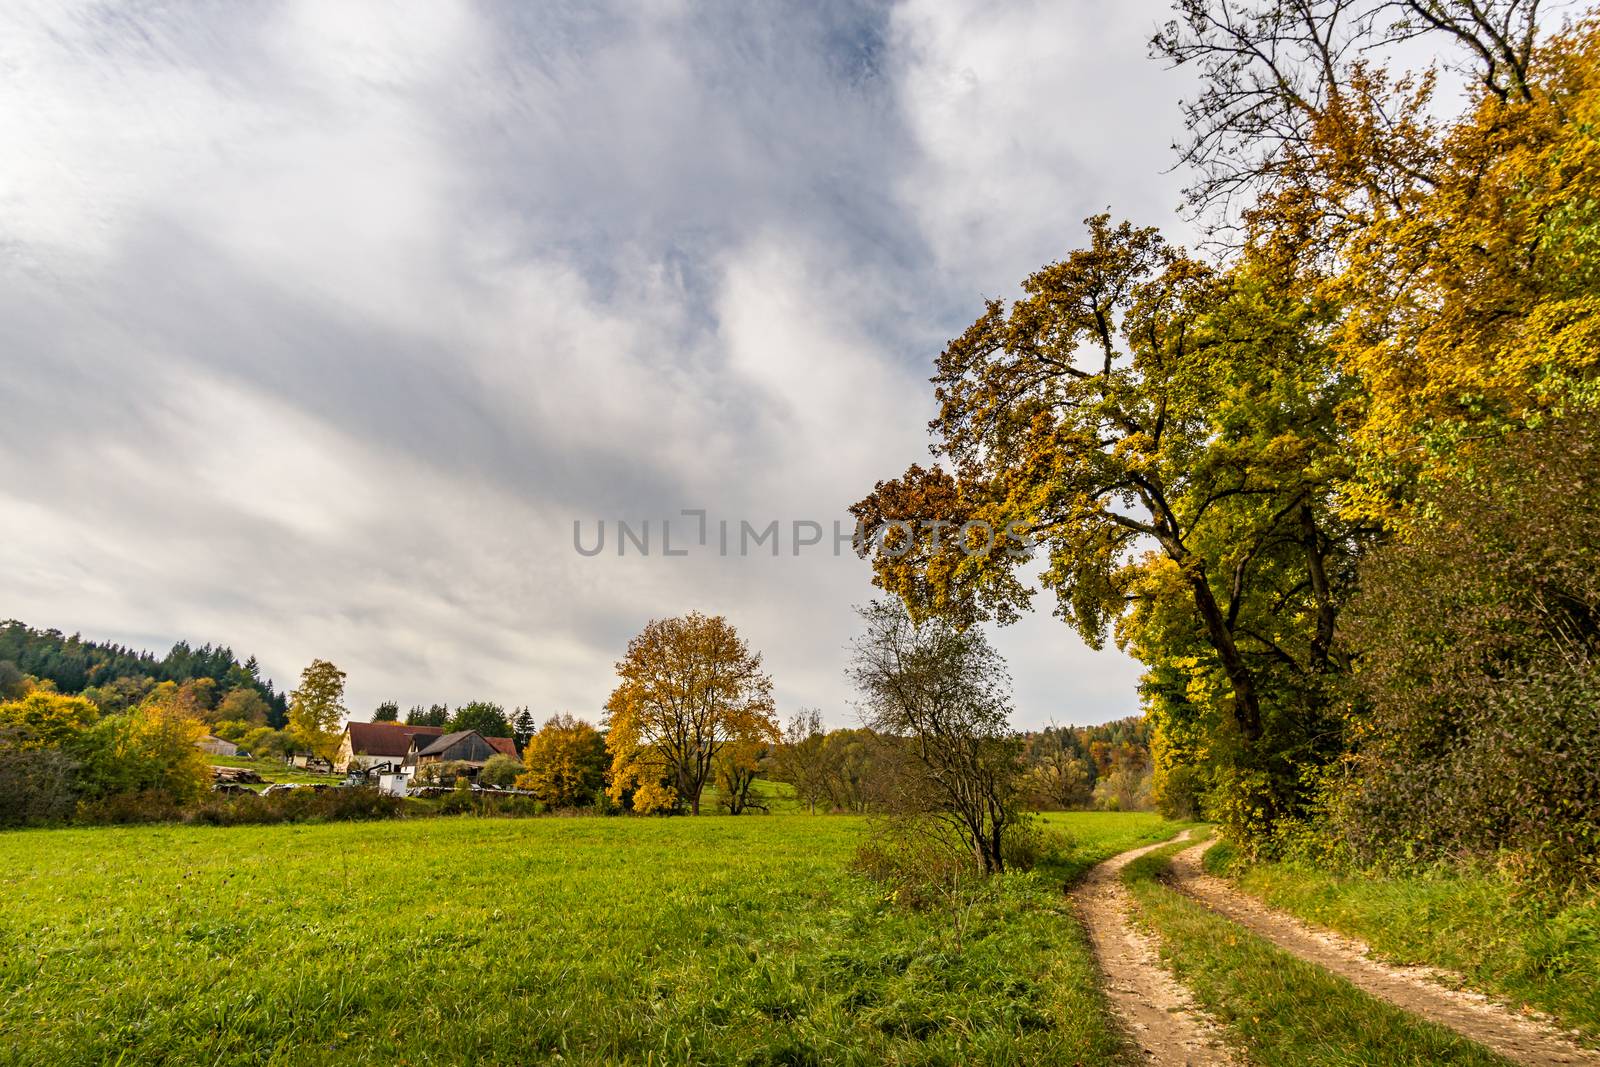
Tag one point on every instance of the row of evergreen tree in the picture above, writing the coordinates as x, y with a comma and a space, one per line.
73, 665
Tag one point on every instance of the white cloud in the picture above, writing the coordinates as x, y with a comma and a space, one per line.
320, 329
1029, 117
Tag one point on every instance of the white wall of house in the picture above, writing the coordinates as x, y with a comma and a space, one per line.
347, 759
366, 762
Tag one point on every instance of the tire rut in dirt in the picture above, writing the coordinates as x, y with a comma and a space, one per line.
1158, 1013
1528, 1040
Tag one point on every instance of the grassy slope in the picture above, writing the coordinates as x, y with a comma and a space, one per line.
714, 940
1286, 1012
273, 770
1476, 924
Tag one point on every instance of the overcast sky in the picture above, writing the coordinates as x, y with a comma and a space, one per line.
323, 322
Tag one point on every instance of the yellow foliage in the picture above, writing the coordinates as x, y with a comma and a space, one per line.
45, 719
564, 761
1471, 303
689, 687
317, 707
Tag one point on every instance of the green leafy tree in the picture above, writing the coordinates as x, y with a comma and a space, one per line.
243, 704
11, 681
434, 715
480, 715
500, 770
388, 711
316, 708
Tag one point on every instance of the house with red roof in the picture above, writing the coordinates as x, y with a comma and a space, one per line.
375, 745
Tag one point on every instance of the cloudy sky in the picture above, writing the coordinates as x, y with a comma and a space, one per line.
323, 322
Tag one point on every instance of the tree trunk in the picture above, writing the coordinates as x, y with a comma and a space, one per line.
1246, 704
1322, 642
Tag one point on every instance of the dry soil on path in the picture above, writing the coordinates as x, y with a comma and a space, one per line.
1156, 1010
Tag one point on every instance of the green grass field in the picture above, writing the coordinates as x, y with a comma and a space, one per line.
584, 940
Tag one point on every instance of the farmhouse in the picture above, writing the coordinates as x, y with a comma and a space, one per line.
367, 745
463, 746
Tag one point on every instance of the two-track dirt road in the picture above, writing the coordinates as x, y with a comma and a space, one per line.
1170, 1029
1155, 1008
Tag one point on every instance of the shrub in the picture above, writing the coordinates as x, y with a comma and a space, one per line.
459, 800
1030, 843
924, 861
513, 807
296, 805
445, 773
148, 750
1479, 637
36, 785
500, 771
45, 720
919, 860
147, 805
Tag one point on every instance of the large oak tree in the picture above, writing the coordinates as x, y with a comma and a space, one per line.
1167, 435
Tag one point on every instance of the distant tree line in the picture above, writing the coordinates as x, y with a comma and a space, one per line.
115, 678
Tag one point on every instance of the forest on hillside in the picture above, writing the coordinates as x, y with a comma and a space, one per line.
114, 677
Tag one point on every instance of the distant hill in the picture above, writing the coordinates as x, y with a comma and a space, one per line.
75, 664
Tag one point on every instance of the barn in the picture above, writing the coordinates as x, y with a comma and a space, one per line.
369, 745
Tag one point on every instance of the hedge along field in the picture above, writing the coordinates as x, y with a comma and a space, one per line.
710, 940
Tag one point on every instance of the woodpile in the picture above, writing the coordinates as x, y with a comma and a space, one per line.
239, 775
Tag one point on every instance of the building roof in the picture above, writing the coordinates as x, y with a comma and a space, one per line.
386, 738
504, 745
442, 743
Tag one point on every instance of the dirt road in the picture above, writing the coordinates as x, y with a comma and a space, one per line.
1529, 1040
1154, 1007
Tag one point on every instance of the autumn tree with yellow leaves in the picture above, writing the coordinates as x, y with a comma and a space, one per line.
1460, 252
1208, 451
689, 689
1166, 434
316, 707
564, 762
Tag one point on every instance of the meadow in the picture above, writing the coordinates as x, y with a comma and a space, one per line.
581, 940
